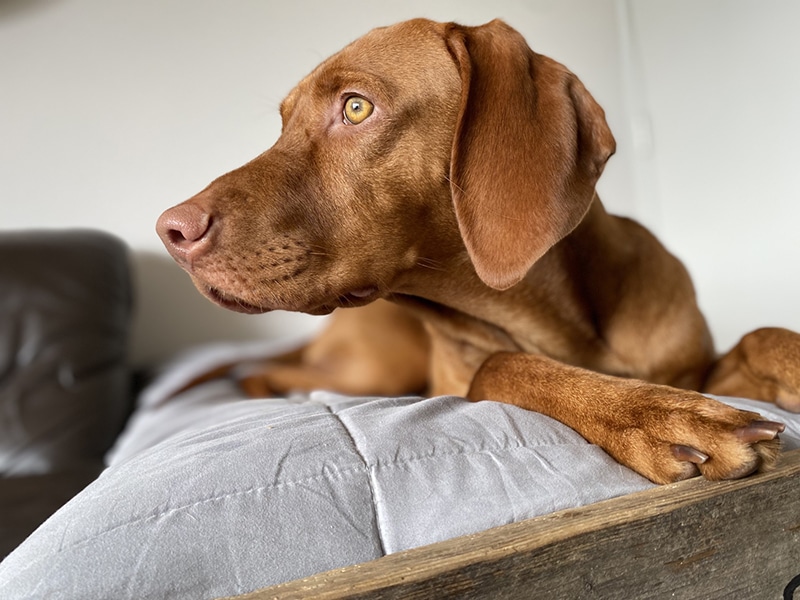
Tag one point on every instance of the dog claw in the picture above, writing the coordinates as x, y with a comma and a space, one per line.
759, 431
688, 454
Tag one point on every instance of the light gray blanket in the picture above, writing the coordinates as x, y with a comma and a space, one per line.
208, 494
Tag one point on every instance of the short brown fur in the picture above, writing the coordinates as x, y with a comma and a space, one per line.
467, 200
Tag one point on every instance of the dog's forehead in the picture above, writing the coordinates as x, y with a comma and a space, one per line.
388, 44
408, 52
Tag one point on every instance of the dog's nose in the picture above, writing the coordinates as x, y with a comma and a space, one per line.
183, 229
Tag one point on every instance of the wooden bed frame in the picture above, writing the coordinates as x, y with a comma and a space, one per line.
694, 539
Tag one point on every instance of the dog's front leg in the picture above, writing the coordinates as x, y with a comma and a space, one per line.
379, 349
663, 433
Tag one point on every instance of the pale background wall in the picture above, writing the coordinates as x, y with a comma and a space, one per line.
722, 82
111, 111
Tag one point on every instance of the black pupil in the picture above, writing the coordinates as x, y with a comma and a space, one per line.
355, 106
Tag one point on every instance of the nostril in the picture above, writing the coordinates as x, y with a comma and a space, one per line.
176, 237
183, 226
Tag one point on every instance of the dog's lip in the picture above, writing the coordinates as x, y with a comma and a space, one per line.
358, 296
233, 303
365, 292
354, 298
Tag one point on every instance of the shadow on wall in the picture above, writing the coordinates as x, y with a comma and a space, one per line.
12, 8
171, 315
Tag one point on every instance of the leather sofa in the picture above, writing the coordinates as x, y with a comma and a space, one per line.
65, 386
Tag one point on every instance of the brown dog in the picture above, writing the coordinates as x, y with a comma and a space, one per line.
452, 171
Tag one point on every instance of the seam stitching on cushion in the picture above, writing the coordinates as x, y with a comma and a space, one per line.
364, 467
473, 451
370, 480
254, 490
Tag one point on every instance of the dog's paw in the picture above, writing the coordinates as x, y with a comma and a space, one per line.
678, 438
664, 433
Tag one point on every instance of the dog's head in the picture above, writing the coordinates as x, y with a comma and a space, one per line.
419, 144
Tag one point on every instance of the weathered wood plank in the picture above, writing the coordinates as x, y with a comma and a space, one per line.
695, 539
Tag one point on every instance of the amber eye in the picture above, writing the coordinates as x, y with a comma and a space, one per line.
356, 110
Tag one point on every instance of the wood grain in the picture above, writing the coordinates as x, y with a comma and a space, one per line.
695, 539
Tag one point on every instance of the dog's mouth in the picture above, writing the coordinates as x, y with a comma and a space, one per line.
354, 298
359, 296
232, 302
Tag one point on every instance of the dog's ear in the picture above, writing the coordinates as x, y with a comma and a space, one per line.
529, 146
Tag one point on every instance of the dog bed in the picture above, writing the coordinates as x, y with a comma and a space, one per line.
208, 494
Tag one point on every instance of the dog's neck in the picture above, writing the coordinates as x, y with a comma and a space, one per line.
447, 289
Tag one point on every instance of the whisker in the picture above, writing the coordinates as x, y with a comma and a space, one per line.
382, 284
454, 184
316, 250
430, 263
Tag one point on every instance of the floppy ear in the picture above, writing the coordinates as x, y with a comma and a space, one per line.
529, 146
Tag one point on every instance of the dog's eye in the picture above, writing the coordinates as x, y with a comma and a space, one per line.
357, 110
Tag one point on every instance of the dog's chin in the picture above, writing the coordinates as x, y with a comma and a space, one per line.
233, 303
354, 298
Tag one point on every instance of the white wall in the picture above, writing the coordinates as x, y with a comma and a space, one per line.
112, 111
722, 81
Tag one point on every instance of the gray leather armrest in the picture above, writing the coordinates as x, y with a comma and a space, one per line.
65, 305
